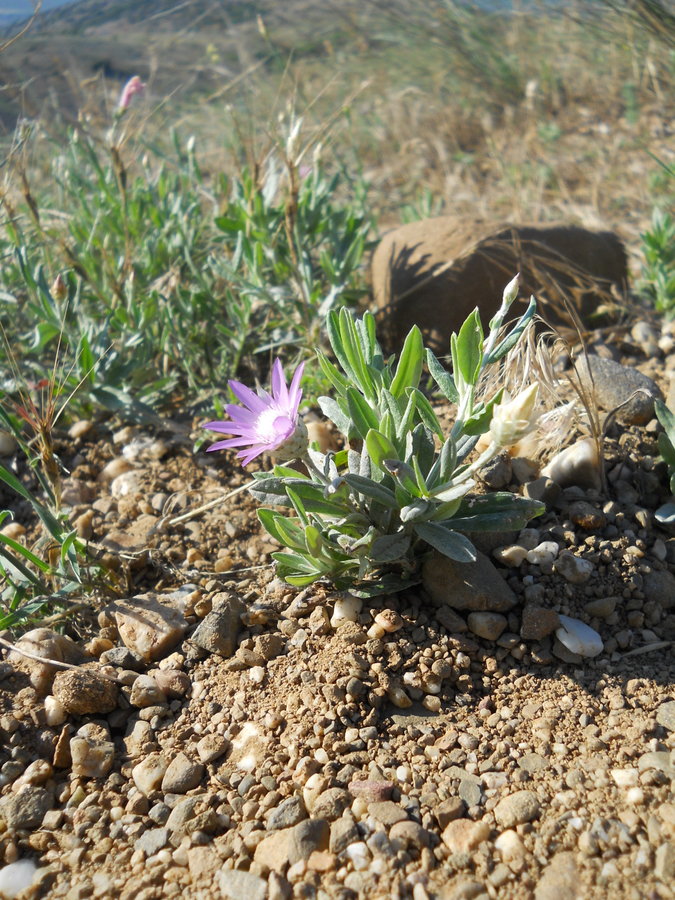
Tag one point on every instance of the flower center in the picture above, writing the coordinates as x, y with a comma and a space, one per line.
267, 425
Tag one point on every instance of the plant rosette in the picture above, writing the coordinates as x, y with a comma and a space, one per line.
363, 517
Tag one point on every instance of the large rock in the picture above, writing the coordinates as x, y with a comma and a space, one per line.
475, 586
433, 273
613, 385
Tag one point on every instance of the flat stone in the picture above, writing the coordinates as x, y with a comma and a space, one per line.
469, 792
218, 631
523, 806
449, 810
665, 715
664, 863
237, 884
330, 804
612, 384
148, 627
288, 813
601, 608
122, 658
193, 814
464, 836
657, 759
387, 812
410, 834
290, 845
559, 880
211, 747
203, 862
152, 841
533, 762
182, 775
82, 692
476, 586
26, 809
538, 622
659, 586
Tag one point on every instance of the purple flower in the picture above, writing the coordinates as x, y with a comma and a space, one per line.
264, 422
134, 87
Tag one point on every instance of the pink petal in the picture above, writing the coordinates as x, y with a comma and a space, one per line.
248, 397
284, 428
279, 389
220, 445
247, 455
294, 391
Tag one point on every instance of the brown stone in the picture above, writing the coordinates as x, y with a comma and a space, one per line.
538, 622
433, 273
82, 692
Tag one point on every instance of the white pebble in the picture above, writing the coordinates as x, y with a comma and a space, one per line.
511, 556
625, 777
403, 773
55, 714
257, 674
636, 796
542, 553
346, 609
16, 877
578, 637
359, 854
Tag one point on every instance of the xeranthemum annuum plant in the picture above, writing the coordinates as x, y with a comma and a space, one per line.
365, 516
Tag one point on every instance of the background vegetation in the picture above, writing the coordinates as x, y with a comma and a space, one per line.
146, 257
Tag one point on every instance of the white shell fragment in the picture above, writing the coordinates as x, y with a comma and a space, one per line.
578, 637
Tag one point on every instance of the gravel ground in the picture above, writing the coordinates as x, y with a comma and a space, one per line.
226, 736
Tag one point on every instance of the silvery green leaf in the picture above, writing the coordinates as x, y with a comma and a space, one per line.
389, 547
450, 543
454, 492
404, 474
443, 379
415, 510
372, 489
331, 409
409, 368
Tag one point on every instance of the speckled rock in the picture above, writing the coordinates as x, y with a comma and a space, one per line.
27, 808
82, 692
182, 775
523, 806
218, 631
538, 622
91, 752
613, 384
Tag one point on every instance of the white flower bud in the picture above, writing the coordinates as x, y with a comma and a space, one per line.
511, 421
